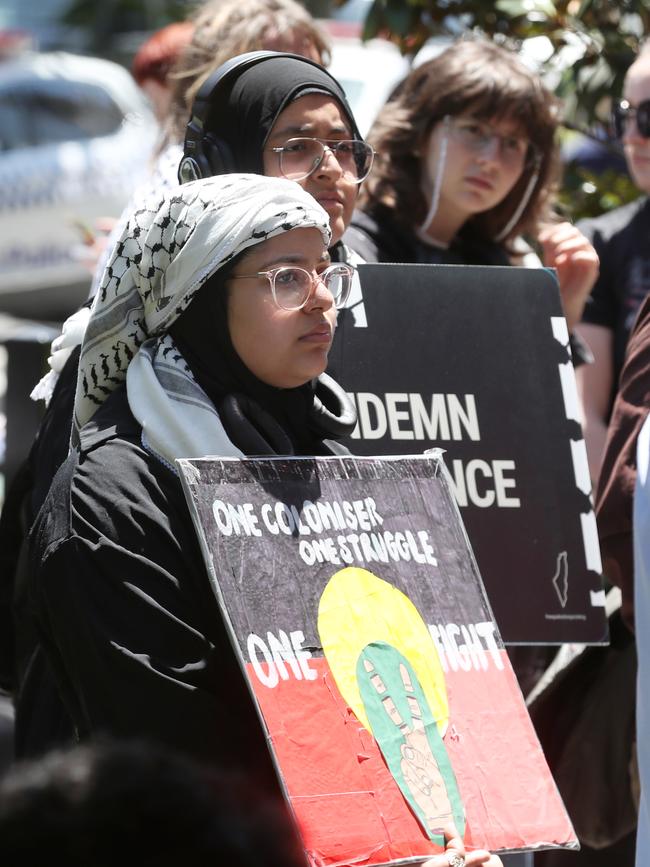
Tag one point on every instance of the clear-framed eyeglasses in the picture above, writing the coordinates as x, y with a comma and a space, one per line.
292, 287
299, 157
477, 136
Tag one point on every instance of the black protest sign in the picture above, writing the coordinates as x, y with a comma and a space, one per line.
358, 615
475, 360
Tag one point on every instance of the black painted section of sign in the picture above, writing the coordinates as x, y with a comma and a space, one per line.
486, 332
263, 583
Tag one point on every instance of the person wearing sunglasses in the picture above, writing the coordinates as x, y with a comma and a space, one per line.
209, 336
621, 239
465, 166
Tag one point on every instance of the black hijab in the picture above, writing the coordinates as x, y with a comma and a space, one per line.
259, 419
242, 114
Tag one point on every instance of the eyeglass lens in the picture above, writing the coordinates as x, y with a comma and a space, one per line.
477, 137
292, 287
624, 113
299, 157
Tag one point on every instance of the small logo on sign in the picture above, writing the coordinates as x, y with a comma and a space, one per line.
561, 578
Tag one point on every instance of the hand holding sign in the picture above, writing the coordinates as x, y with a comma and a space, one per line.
455, 855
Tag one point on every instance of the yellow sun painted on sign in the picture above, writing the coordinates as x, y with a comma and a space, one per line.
358, 608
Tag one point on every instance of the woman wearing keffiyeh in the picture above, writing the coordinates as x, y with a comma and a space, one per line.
218, 302
167, 254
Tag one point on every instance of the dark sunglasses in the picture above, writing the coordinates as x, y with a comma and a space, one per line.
623, 112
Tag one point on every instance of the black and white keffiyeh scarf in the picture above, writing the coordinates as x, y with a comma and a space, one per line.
166, 253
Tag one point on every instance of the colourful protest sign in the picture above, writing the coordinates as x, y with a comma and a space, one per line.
358, 614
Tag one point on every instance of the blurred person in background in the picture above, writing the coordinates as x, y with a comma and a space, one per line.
150, 68
623, 516
621, 238
134, 802
226, 29
641, 531
107, 803
466, 165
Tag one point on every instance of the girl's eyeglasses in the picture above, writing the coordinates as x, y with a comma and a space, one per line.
299, 157
292, 287
477, 137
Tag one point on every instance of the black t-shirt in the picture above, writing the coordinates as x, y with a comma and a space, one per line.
378, 238
622, 241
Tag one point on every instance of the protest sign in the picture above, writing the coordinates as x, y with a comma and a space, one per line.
358, 615
476, 361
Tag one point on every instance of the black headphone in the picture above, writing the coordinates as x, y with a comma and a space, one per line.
204, 153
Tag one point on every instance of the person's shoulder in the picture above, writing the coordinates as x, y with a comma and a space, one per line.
365, 222
164, 175
377, 237
110, 492
112, 426
340, 252
109, 474
363, 236
481, 251
114, 466
641, 329
620, 221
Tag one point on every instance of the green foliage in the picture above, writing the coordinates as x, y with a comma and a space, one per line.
602, 34
585, 194
593, 42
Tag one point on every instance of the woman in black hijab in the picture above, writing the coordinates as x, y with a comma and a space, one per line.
285, 116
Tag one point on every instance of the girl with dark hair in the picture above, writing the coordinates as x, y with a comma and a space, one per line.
466, 166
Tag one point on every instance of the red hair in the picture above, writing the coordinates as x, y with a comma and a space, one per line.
159, 53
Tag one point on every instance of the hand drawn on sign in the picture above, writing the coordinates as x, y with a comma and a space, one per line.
387, 668
407, 734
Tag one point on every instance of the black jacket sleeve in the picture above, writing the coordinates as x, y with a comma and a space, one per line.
127, 616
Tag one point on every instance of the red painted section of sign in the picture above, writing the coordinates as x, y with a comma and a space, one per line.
347, 803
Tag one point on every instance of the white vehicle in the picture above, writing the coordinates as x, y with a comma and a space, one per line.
76, 134
368, 72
